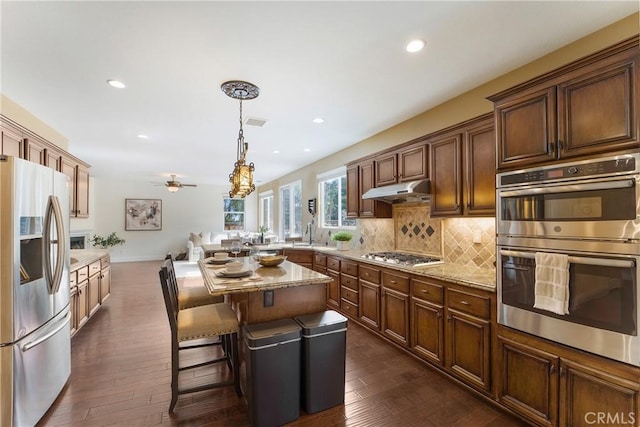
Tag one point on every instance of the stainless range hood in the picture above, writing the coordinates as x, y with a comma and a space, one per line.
413, 191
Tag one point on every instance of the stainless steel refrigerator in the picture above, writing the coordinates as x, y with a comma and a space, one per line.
35, 343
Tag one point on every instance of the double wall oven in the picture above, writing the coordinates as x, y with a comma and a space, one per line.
588, 210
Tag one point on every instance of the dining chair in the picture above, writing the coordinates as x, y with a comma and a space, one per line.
199, 327
194, 296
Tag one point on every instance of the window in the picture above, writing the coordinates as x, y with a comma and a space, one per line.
266, 209
333, 199
233, 214
291, 210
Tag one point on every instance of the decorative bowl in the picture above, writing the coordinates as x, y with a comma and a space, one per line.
271, 261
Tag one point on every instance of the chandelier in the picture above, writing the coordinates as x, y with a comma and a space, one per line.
241, 178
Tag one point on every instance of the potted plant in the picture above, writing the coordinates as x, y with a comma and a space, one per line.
106, 242
262, 229
342, 239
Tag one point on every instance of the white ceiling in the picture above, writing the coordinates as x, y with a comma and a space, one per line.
342, 61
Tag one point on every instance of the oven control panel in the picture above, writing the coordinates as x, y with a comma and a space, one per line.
586, 169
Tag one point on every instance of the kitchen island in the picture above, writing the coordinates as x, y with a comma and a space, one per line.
272, 293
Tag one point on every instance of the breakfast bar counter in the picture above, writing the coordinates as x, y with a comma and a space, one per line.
272, 293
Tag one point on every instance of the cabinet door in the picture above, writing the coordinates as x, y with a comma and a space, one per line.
386, 169
73, 310
526, 129
413, 163
82, 308
528, 382
366, 182
353, 192
469, 349
427, 330
12, 143
395, 316
105, 284
480, 169
68, 168
598, 111
446, 175
52, 159
94, 294
82, 192
333, 289
369, 305
35, 151
585, 393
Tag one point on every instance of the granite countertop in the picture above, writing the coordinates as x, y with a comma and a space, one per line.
285, 275
83, 257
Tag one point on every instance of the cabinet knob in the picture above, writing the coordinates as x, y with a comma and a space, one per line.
425, 291
392, 281
465, 302
551, 146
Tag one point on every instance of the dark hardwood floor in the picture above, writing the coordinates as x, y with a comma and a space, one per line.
120, 376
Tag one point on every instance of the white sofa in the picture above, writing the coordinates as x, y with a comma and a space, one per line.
196, 240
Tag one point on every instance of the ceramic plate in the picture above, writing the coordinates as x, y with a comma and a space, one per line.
219, 261
225, 273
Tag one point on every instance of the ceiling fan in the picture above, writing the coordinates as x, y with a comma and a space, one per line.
173, 185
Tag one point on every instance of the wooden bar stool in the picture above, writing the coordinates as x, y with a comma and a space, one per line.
195, 327
189, 296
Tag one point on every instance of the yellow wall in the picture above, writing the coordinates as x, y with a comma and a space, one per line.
15, 112
466, 106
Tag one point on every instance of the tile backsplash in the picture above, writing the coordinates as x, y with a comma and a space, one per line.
413, 230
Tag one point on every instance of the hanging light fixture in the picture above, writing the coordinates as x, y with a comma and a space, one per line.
241, 178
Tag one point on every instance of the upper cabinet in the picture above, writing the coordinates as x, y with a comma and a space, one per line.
353, 191
360, 179
463, 169
20, 142
410, 163
585, 108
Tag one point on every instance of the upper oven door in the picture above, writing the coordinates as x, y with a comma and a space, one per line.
604, 208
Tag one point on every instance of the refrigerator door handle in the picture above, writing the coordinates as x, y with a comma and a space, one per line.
31, 344
54, 213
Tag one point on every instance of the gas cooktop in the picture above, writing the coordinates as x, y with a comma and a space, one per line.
401, 258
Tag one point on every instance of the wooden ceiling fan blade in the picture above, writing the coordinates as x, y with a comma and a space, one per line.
189, 185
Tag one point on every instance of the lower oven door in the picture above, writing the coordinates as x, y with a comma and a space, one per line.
603, 298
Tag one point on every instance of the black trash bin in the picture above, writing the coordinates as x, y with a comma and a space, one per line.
324, 345
272, 358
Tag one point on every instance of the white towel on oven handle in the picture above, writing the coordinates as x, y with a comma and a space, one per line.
552, 282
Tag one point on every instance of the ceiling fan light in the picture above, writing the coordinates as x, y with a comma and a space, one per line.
172, 188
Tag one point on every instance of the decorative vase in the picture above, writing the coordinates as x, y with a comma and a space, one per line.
342, 245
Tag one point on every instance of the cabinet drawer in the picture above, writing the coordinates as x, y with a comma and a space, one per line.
371, 275
83, 274
94, 268
73, 279
468, 303
349, 308
320, 260
349, 294
105, 262
427, 291
349, 282
299, 256
350, 268
395, 282
333, 263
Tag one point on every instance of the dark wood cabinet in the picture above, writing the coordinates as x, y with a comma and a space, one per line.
349, 298
463, 169
427, 320
303, 257
320, 263
468, 337
584, 108
366, 181
333, 287
553, 385
353, 191
409, 163
446, 175
394, 306
369, 292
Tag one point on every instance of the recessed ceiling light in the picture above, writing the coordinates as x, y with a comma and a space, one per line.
415, 46
276, 151
142, 136
116, 83
306, 150
318, 120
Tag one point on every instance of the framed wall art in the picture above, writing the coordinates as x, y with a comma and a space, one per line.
143, 214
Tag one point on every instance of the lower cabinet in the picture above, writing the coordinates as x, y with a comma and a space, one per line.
369, 293
550, 385
333, 287
303, 257
90, 286
394, 307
